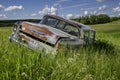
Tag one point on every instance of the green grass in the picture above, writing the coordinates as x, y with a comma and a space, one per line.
95, 62
109, 27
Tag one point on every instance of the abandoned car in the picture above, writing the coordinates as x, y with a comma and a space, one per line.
52, 32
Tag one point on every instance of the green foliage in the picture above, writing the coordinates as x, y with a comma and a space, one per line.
85, 20
103, 18
114, 18
93, 19
96, 19
100, 61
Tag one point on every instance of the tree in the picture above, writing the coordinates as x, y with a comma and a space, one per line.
103, 18
114, 18
85, 20
93, 19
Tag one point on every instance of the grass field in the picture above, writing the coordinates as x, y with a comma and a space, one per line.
95, 62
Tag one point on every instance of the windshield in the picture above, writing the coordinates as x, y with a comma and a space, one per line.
49, 21
61, 25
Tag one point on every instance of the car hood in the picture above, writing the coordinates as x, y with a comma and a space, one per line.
44, 32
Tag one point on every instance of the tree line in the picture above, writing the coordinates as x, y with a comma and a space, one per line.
5, 23
96, 19
93, 19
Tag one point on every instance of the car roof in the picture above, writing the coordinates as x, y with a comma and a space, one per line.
82, 26
75, 23
62, 19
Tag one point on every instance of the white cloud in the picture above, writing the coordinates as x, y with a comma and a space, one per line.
11, 8
117, 9
102, 0
85, 12
58, 2
63, 0
93, 12
119, 3
1, 6
78, 5
48, 10
101, 13
104, 7
34, 14
68, 16
53, 11
77, 16
3, 16
45, 10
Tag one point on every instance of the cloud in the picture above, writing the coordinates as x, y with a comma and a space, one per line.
68, 16
73, 6
119, 3
58, 2
101, 13
34, 14
85, 12
53, 11
48, 10
117, 9
1, 7
12, 8
63, 0
104, 7
88, 13
45, 10
3, 16
102, 0
93, 12
78, 5
77, 15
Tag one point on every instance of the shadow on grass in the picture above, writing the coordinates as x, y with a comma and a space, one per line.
103, 47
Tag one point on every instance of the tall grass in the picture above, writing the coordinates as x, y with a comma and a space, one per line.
100, 61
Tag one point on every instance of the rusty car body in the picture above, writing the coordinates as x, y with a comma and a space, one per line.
52, 32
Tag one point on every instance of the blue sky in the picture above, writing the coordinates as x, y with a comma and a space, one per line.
26, 9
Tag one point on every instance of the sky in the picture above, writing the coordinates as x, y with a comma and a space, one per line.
36, 9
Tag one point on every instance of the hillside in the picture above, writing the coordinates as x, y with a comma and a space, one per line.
109, 32
113, 26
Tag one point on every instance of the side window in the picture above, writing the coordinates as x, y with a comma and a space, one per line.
60, 25
71, 30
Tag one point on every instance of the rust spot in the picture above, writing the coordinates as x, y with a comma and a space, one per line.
29, 28
39, 28
57, 36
